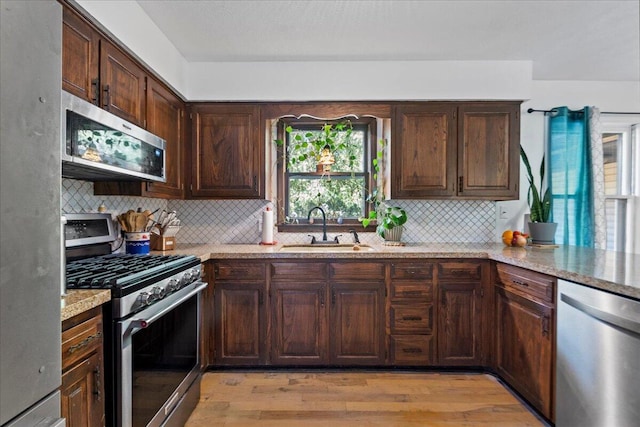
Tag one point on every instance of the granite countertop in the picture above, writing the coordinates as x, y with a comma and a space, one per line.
612, 271
79, 301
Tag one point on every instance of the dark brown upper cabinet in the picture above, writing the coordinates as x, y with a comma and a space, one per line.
122, 84
227, 153
455, 150
96, 70
424, 151
80, 53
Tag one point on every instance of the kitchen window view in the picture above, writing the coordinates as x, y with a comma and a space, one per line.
620, 171
335, 175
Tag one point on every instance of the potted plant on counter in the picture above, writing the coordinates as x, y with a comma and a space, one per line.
542, 231
390, 219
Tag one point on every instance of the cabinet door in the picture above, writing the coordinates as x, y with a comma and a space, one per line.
299, 323
423, 156
227, 156
357, 319
82, 393
240, 323
459, 332
165, 118
489, 150
80, 50
122, 82
524, 348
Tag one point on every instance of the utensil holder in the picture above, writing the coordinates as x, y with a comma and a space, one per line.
137, 242
162, 243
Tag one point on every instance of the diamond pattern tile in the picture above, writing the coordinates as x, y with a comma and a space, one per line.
237, 221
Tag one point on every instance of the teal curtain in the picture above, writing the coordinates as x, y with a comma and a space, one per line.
570, 177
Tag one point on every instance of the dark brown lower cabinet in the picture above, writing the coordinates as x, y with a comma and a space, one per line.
299, 323
82, 390
357, 320
459, 329
524, 347
240, 323
315, 323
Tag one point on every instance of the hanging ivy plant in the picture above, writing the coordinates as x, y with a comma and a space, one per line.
309, 145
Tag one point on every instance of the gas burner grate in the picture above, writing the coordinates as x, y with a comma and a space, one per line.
109, 271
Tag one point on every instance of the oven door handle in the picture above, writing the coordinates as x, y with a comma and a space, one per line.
143, 323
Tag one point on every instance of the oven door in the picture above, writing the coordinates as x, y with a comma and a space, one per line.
158, 358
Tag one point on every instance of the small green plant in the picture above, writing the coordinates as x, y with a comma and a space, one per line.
387, 217
540, 207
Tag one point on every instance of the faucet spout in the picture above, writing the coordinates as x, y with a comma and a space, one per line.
324, 221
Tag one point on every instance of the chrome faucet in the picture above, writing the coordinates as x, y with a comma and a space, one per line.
355, 236
324, 222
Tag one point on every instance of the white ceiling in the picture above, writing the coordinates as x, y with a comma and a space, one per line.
565, 40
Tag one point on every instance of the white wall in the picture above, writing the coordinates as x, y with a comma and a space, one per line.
128, 23
356, 81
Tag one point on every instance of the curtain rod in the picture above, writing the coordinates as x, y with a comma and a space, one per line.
531, 110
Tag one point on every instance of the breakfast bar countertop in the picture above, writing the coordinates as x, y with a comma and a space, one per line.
611, 271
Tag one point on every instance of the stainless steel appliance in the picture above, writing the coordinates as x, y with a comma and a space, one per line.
30, 339
97, 145
598, 358
152, 365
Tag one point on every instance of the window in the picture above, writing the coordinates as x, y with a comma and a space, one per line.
620, 157
340, 188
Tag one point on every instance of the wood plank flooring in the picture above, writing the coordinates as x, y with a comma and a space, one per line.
336, 399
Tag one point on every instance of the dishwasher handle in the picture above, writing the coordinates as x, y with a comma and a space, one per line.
604, 316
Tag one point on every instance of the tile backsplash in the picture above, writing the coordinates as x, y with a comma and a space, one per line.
237, 221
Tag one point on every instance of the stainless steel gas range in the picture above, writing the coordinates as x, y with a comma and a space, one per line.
152, 367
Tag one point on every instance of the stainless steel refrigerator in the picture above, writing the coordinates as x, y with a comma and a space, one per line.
30, 267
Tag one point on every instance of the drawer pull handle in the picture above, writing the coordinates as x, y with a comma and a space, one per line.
518, 282
412, 350
85, 342
416, 318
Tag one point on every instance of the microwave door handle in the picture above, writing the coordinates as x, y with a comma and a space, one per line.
144, 323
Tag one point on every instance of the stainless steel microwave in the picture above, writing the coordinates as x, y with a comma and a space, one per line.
99, 146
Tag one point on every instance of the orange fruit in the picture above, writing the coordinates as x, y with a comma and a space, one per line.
507, 237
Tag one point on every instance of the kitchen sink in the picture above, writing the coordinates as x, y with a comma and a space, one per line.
327, 248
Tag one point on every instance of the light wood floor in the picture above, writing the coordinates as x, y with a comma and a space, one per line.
337, 399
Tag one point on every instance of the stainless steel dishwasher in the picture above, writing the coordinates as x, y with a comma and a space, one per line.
598, 358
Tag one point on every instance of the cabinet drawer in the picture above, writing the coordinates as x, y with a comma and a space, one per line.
526, 282
411, 270
239, 270
411, 350
356, 270
411, 319
421, 291
459, 270
298, 270
81, 340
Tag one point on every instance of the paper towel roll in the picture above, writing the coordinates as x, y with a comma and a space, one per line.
267, 226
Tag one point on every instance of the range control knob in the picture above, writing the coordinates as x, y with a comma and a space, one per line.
144, 298
172, 286
195, 274
158, 293
186, 278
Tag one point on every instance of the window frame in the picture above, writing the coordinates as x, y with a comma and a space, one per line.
283, 175
628, 174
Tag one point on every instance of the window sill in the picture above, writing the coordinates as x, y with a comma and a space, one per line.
331, 227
